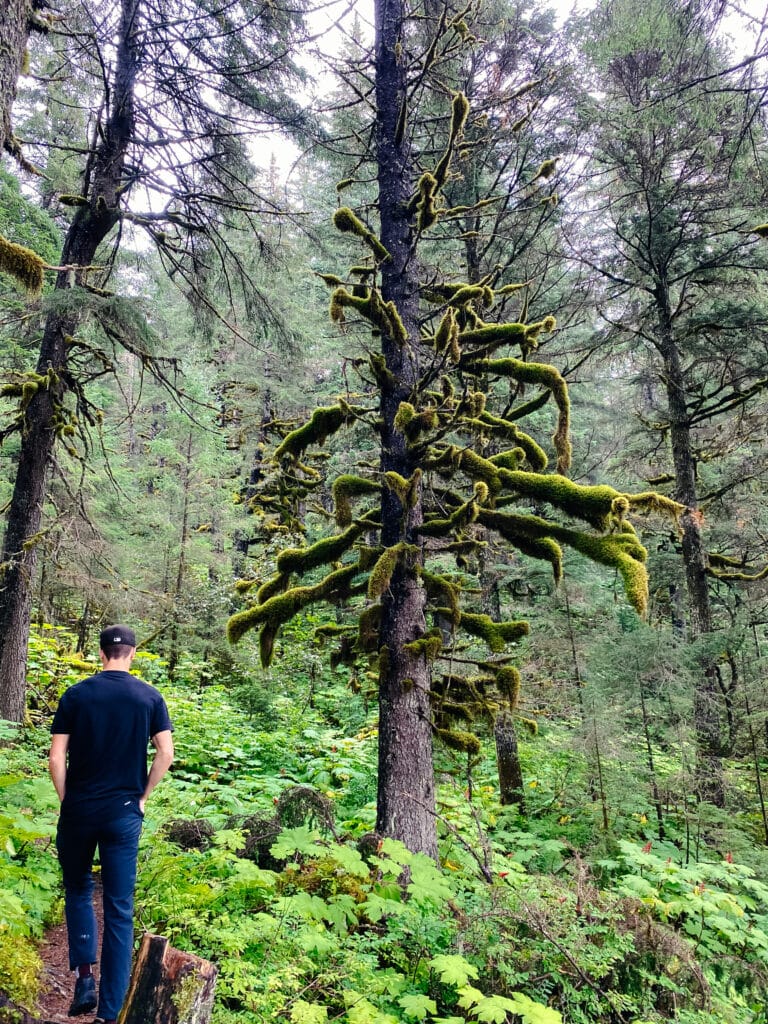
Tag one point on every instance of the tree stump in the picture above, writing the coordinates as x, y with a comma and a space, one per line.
168, 986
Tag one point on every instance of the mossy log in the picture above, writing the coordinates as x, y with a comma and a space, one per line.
168, 986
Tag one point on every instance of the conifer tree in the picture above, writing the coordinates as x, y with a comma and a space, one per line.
439, 381
674, 193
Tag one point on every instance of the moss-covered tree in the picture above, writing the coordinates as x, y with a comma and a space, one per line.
439, 381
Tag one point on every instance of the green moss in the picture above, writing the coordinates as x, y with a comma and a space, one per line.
508, 683
24, 265
464, 742
550, 378
478, 468
381, 574
531, 725
330, 279
346, 221
650, 501
440, 588
368, 628
496, 634
325, 420
546, 170
534, 453
593, 504
345, 488
243, 586
426, 207
323, 552
447, 334
761, 230
428, 646
283, 607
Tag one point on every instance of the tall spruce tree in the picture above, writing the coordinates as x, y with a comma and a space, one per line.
438, 383
673, 192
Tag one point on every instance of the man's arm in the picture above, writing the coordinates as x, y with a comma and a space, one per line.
163, 744
57, 762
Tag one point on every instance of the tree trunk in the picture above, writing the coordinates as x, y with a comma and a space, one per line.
168, 986
91, 224
406, 791
710, 780
510, 771
14, 30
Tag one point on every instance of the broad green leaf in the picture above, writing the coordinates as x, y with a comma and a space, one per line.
308, 1013
297, 840
418, 1007
453, 969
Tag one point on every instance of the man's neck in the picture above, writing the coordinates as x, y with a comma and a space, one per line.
117, 664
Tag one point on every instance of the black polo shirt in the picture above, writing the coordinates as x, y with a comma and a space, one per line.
109, 719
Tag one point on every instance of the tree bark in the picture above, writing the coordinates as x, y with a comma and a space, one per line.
511, 786
14, 31
91, 224
406, 791
710, 779
168, 986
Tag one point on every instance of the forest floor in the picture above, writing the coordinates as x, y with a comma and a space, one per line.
58, 982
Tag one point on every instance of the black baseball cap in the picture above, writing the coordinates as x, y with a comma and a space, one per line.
117, 635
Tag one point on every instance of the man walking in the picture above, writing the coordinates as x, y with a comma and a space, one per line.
98, 764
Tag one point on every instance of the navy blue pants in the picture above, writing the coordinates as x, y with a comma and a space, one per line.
118, 841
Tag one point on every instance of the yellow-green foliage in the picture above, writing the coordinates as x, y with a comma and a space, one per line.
534, 453
429, 645
345, 220
344, 489
426, 207
459, 114
593, 504
324, 421
438, 527
381, 574
439, 588
22, 264
323, 552
243, 586
508, 684
496, 634
330, 279
622, 551
281, 608
550, 378
274, 586
368, 627
383, 316
20, 967
478, 468
546, 170
490, 337
464, 742
447, 334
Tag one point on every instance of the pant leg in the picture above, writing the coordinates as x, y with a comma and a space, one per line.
76, 845
118, 849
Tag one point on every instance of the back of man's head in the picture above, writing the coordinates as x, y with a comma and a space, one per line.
117, 642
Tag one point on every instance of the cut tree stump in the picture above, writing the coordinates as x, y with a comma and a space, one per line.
168, 986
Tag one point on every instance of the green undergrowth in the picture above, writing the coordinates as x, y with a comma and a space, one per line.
529, 919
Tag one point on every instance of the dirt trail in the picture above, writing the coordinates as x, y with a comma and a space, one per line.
58, 982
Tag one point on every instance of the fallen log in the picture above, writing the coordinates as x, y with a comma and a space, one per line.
168, 986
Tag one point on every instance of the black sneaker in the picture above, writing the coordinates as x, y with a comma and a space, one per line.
85, 996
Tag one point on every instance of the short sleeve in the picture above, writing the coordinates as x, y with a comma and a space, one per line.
63, 718
161, 720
